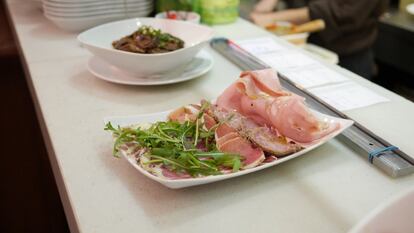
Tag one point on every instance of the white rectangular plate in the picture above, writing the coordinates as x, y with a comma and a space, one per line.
181, 183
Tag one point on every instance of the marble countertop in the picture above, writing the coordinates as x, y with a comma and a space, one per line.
328, 190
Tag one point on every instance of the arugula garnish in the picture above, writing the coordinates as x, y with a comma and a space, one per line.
182, 147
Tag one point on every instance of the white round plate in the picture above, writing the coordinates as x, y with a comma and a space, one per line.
127, 14
104, 9
200, 65
78, 10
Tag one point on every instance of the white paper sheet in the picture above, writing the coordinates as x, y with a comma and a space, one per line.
258, 46
314, 75
286, 60
347, 96
327, 84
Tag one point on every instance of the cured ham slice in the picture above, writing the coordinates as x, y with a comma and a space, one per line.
258, 95
183, 114
230, 98
256, 109
262, 136
190, 113
296, 121
266, 80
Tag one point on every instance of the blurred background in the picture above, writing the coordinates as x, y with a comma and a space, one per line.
29, 198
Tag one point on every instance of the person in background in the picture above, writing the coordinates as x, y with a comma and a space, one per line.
351, 27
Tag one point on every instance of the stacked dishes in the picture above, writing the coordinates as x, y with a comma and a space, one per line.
78, 15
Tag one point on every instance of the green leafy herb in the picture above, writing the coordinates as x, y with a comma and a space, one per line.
182, 147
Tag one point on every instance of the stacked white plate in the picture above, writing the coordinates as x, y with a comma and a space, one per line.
78, 15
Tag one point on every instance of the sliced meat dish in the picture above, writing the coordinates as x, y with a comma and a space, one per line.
229, 141
262, 136
220, 141
259, 96
238, 145
266, 80
224, 129
209, 121
296, 121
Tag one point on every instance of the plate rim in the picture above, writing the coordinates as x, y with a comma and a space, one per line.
204, 54
182, 183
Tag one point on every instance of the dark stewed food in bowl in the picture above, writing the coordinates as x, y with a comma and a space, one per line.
149, 41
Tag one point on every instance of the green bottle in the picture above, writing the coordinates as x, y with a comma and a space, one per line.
217, 11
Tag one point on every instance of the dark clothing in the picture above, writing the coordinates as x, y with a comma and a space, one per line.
361, 63
351, 30
351, 25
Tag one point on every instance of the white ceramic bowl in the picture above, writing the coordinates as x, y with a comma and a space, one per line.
394, 215
99, 40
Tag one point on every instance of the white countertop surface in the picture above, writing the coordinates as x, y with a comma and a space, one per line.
328, 190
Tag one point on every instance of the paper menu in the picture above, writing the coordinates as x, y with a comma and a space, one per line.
295, 65
347, 96
326, 83
314, 75
283, 61
260, 46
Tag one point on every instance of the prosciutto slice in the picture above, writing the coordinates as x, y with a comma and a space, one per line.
258, 95
296, 121
183, 114
266, 81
